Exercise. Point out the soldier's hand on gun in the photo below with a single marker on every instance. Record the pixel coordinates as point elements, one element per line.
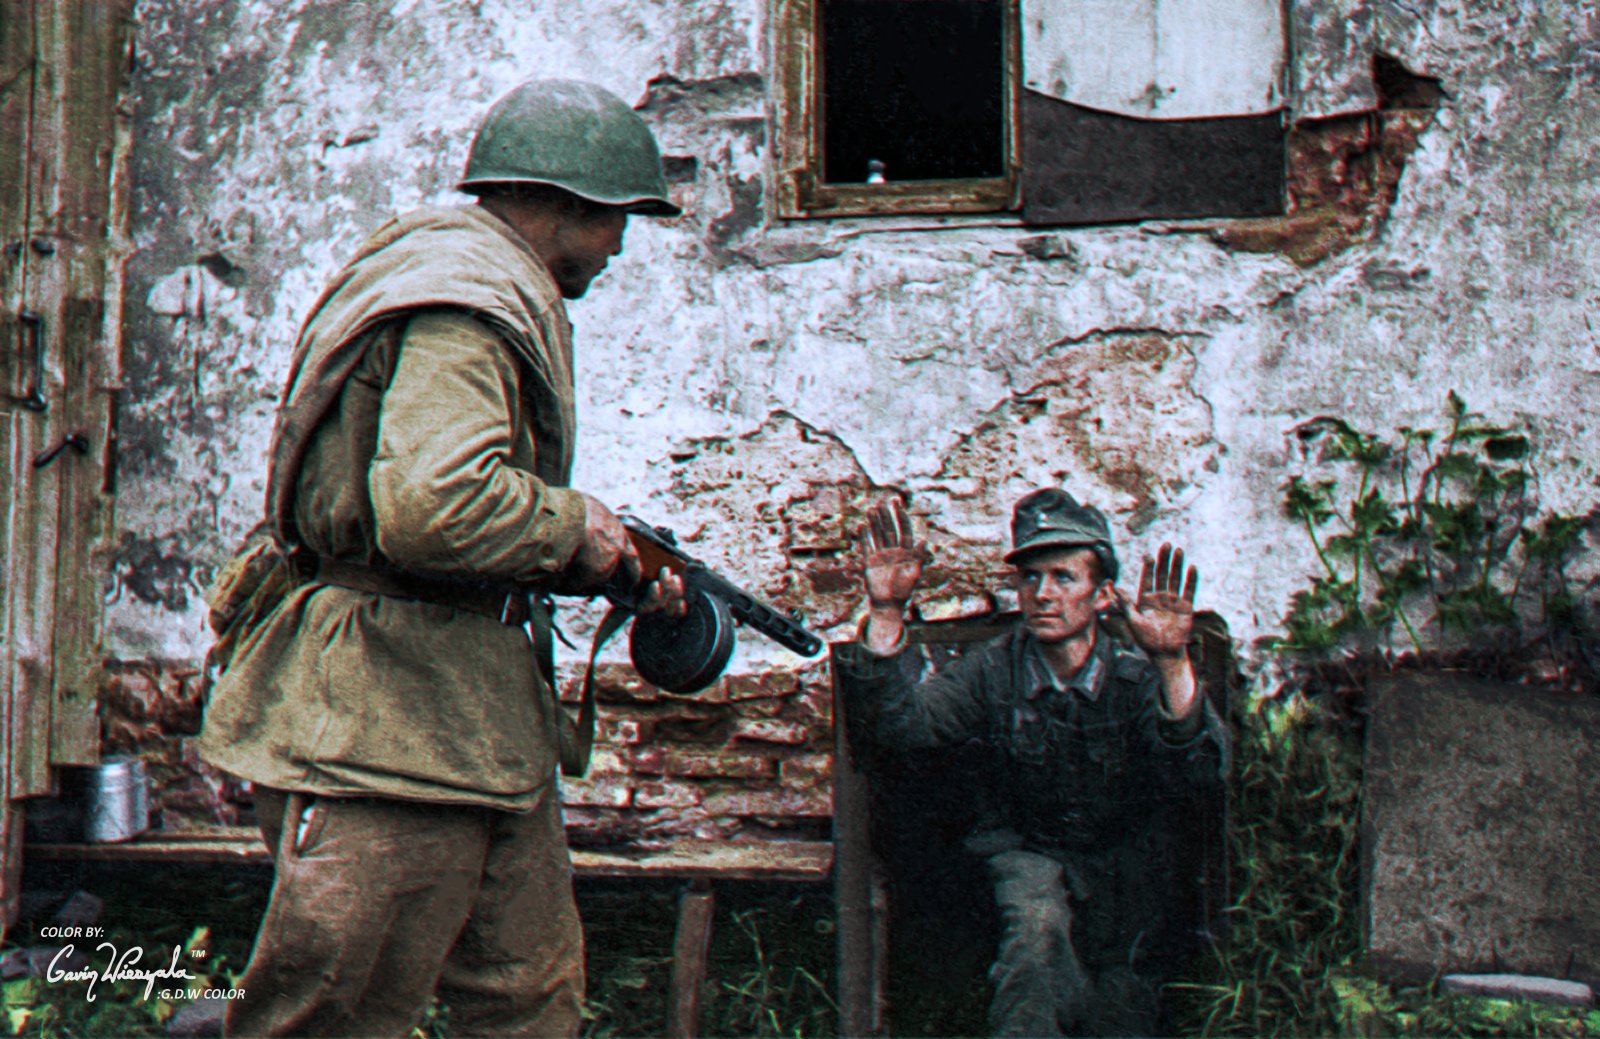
<point>665,595</point>
<point>604,551</point>
<point>1162,617</point>
<point>607,550</point>
<point>892,560</point>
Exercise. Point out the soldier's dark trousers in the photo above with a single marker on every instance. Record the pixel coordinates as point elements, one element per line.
<point>1042,985</point>
<point>376,904</point>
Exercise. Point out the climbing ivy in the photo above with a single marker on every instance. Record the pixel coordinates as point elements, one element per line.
<point>1434,532</point>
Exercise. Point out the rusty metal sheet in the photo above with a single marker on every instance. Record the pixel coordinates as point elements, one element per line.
<point>1157,59</point>
<point>1081,166</point>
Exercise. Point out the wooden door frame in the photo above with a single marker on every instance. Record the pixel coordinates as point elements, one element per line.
<point>64,71</point>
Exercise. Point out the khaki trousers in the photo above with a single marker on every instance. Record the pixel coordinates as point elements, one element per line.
<point>377,904</point>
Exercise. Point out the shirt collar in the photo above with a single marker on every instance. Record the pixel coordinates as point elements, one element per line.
<point>1087,681</point>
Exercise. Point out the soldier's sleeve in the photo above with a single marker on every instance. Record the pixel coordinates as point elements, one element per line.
<point>894,707</point>
<point>445,495</point>
<point>1196,744</point>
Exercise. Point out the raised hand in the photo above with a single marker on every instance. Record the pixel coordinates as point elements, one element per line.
<point>1162,618</point>
<point>891,557</point>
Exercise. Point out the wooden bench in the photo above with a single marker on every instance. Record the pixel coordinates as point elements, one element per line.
<point>697,863</point>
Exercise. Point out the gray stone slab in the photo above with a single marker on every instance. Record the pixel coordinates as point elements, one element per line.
<point>1520,986</point>
<point>1481,835</point>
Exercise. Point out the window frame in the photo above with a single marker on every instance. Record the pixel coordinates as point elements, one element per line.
<point>801,194</point>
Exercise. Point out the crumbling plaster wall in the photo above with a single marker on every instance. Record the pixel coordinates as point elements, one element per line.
<point>755,382</point>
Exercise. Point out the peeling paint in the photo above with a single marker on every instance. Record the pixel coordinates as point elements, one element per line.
<point>755,383</point>
<point>1344,171</point>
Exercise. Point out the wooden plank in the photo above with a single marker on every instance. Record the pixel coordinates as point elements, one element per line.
<point>33,529</point>
<point>30,611</point>
<point>690,947</point>
<point>767,860</point>
<point>800,861</point>
<point>858,894</point>
<point>89,56</point>
<point>10,865</point>
<point>16,107</point>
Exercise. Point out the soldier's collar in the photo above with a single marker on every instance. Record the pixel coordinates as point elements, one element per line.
<point>1087,681</point>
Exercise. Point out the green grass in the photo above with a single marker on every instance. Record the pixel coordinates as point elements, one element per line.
<point>770,968</point>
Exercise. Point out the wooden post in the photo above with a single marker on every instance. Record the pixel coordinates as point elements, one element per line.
<point>859,894</point>
<point>10,866</point>
<point>696,905</point>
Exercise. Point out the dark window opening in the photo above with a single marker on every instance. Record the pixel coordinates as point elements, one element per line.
<point>918,86</point>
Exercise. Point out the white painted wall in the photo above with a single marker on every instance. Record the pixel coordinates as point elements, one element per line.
<point>748,380</point>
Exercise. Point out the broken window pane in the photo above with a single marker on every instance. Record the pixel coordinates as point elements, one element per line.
<point>917,86</point>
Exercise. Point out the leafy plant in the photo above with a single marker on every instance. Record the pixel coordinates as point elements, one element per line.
<point>1427,530</point>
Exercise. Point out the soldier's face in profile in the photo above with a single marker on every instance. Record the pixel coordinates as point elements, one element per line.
<point>583,245</point>
<point>1061,591</point>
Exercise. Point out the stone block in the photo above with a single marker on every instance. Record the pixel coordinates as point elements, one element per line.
<point>665,795</point>
<point>771,730</point>
<point>770,802</point>
<point>1481,836</point>
<point>604,761</point>
<point>621,730</point>
<point>760,686</point>
<point>1520,986</point>
<point>716,765</point>
<point>652,761</point>
<point>805,770</point>
<point>816,709</point>
<point>596,793</point>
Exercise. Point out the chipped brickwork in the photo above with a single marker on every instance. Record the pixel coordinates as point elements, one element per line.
<point>1344,171</point>
<point>748,757</point>
<point>153,710</point>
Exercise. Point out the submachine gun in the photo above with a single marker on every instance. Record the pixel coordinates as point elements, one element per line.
<point>685,654</point>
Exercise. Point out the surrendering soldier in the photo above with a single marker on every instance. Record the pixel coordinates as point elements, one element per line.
<point>390,710</point>
<point>1084,743</point>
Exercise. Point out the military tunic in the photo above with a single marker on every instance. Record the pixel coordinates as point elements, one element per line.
<point>439,450</point>
<point>1069,810</point>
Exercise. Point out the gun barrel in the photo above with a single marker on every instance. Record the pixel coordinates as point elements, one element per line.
<point>759,615</point>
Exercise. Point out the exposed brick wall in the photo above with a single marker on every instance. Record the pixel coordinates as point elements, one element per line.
<point>749,758</point>
<point>153,709</point>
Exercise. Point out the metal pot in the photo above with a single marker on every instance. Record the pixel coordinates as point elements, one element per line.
<point>116,800</point>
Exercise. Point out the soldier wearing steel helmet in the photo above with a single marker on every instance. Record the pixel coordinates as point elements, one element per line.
<point>1082,742</point>
<point>390,711</point>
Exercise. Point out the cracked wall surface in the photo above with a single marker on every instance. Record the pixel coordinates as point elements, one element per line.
<point>754,383</point>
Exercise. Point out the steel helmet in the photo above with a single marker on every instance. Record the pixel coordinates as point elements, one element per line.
<point>575,136</point>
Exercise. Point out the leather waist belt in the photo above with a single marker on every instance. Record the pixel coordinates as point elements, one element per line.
<point>501,602</point>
